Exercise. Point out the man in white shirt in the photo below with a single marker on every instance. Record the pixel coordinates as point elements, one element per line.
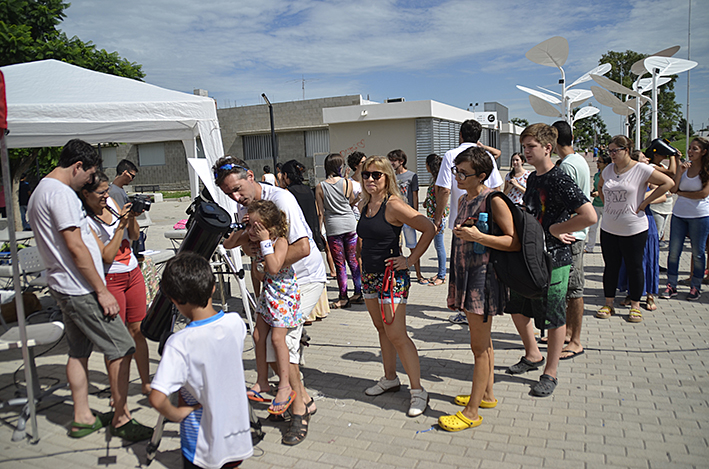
<point>469,136</point>
<point>576,167</point>
<point>237,181</point>
<point>75,279</point>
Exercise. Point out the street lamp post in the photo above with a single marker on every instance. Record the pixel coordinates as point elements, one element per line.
<point>274,148</point>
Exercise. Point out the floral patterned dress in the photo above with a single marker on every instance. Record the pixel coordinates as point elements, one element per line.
<point>279,303</point>
<point>474,286</point>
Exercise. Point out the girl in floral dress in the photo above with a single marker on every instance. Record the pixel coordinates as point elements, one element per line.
<point>279,304</point>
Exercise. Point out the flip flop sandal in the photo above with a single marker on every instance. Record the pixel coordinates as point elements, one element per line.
<point>311,403</point>
<point>285,404</point>
<point>463,399</point>
<point>357,300</point>
<point>458,422</point>
<point>650,304</point>
<point>132,431</point>
<point>84,428</point>
<point>605,312</point>
<point>424,281</point>
<point>256,396</point>
<point>571,355</point>
<point>436,281</point>
<point>635,315</point>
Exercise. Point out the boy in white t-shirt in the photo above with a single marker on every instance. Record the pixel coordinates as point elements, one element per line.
<point>203,361</point>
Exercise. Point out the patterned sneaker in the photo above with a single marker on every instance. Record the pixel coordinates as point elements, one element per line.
<point>458,318</point>
<point>693,294</point>
<point>669,292</point>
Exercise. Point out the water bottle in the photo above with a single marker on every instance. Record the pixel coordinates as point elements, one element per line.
<point>483,227</point>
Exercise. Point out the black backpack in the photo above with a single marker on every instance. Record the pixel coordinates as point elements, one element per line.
<point>527,271</point>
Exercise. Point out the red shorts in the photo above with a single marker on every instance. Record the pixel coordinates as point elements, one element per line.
<point>129,290</point>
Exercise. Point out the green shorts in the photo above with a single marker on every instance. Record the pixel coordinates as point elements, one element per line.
<point>548,312</point>
<point>86,326</point>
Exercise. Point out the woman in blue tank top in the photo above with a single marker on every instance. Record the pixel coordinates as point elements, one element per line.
<point>383,213</point>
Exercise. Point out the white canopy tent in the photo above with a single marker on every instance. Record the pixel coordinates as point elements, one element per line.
<point>50,102</point>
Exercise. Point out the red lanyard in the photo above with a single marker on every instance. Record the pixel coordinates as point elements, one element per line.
<point>388,286</point>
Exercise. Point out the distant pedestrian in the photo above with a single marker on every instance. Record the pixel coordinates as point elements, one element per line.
<point>24,198</point>
<point>268,177</point>
<point>516,179</point>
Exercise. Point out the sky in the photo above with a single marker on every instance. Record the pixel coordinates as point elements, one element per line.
<point>452,51</point>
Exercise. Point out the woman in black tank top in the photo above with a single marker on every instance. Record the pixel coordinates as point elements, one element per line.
<point>383,213</point>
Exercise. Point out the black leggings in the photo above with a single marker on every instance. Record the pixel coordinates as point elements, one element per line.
<point>623,248</point>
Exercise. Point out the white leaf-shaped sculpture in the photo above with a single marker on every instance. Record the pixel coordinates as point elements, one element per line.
<point>587,111</point>
<point>638,67</point>
<point>600,70</point>
<point>613,86</point>
<point>543,108</point>
<point>645,84</point>
<point>669,65</point>
<point>577,97</point>
<point>549,91</point>
<point>546,97</point>
<point>623,111</point>
<point>605,97</point>
<point>552,53</point>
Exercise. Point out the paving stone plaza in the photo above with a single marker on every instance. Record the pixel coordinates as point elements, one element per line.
<point>637,397</point>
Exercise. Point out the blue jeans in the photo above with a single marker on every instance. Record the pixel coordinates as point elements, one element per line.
<point>697,229</point>
<point>440,246</point>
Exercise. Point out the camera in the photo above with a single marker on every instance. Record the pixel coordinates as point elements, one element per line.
<point>141,203</point>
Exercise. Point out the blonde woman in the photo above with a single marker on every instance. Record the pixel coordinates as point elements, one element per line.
<point>383,213</point>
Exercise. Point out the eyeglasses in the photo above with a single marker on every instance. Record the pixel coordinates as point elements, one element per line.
<point>228,167</point>
<point>101,193</point>
<point>462,176</point>
<point>376,175</point>
<point>613,151</point>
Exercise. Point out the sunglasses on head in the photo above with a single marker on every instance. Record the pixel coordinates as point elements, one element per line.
<point>376,175</point>
<point>228,167</point>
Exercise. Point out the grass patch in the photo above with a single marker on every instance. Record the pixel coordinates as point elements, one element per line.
<point>175,194</point>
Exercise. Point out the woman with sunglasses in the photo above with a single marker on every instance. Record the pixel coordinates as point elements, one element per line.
<point>114,228</point>
<point>624,226</point>
<point>385,274</point>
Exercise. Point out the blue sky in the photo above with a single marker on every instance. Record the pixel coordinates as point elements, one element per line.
<point>456,51</point>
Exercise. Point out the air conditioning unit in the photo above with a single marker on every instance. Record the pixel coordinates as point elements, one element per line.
<point>395,100</point>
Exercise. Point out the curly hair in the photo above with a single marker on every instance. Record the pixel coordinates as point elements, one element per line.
<point>273,219</point>
<point>703,143</point>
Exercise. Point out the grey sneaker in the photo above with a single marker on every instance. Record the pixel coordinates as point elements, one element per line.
<point>419,402</point>
<point>384,385</point>
<point>458,318</point>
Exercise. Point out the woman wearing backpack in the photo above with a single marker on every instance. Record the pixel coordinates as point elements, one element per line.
<point>474,287</point>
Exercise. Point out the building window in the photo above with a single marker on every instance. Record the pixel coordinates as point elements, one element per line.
<point>258,147</point>
<point>151,154</point>
<point>317,141</point>
<point>108,154</point>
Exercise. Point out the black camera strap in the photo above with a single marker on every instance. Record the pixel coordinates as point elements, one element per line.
<point>112,212</point>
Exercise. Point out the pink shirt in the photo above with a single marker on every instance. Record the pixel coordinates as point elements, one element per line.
<point>623,194</point>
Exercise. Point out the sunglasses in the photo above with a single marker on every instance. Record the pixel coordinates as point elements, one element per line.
<point>376,175</point>
<point>132,175</point>
<point>228,167</point>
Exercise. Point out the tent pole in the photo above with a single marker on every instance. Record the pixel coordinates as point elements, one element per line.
<point>19,303</point>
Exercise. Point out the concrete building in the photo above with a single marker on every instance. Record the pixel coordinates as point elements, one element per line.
<point>308,130</point>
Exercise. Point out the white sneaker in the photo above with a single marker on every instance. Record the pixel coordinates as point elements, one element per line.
<point>458,318</point>
<point>384,385</point>
<point>419,402</point>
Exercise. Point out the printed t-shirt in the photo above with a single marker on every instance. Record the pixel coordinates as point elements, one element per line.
<point>311,268</point>
<point>408,184</point>
<point>53,208</point>
<point>204,362</point>
<point>552,198</point>
<point>623,194</point>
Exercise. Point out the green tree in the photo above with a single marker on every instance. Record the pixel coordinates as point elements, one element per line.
<point>520,121</point>
<point>585,129</point>
<point>28,32</point>
<point>669,111</point>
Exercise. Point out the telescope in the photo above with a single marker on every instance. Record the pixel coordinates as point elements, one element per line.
<point>662,147</point>
<point>207,225</point>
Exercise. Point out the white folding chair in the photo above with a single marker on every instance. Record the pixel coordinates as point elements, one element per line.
<point>32,265</point>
